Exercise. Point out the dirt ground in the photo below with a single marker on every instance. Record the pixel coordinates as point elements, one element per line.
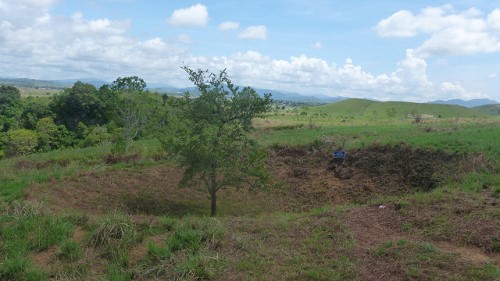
<point>304,178</point>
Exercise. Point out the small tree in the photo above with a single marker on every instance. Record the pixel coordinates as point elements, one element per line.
<point>130,110</point>
<point>210,133</point>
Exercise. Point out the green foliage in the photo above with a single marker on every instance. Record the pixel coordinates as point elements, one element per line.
<point>79,104</point>
<point>210,133</point>
<point>9,98</point>
<point>47,133</point>
<point>32,112</point>
<point>134,110</point>
<point>97,135</point>
<point>22,141</point>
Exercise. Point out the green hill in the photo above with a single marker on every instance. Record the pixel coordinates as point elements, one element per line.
<point>491,109</point>
<point>356,107</point>
<point>391,109</point>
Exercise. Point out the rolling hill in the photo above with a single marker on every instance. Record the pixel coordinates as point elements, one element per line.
<point>392,109</point>
<point>466,103</point>
<point>492,109</point>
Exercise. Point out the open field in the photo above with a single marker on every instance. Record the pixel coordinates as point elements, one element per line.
<point>411,202</point>
<point>37,92</point>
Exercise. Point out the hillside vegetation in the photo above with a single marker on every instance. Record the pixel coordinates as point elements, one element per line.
<point>493,109</point>
<point>397,110</point>
<point>82,200</point>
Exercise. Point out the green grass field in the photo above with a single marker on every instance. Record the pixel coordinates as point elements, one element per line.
<point>76,215</point>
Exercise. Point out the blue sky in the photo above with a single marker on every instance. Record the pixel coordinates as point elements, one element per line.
<point>387,50</point>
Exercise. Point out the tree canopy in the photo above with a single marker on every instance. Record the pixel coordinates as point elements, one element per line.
<point>210,133</point>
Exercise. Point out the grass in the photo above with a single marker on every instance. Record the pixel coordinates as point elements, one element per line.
<point>255,239</point>
<point>423,261</point>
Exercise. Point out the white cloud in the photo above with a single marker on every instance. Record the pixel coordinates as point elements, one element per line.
<point>451,32</point>
<point>258,32</point>
<point>494,21</point>
<point>184,38</point>
<point>50,47</point>
<point>317,45</point>
<point>229,25</point>
<point>196,15</point>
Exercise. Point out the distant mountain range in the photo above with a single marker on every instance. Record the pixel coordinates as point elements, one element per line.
<point>468,103</point>
<point>163,88</point>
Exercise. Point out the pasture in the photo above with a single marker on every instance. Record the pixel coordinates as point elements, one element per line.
<point>412,201</point>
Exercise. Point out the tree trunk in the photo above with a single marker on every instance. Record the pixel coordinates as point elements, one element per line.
<point>213,207</point>
<point>213,190</point>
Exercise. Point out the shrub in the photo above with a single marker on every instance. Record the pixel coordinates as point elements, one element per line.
<point>97,135</point>
<point>22,141</point>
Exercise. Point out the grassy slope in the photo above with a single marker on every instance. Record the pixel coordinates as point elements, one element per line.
<point>429,237</point>
<point>379,110</point>
<point>493,109</point>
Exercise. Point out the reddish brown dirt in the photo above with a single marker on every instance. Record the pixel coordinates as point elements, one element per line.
<point>148,190</point>
<point>371,227</point>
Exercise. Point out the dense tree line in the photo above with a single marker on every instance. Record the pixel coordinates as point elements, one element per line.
<point>79,116</point>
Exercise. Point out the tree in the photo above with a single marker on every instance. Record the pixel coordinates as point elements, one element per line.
<point>79,104</point>
<point>10,105</point>
<point>9,97</point>
<point>130,110</point>
<point>210,134</point>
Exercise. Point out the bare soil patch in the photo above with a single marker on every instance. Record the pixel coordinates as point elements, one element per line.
<point>313,178</point>
<point>139,191</point>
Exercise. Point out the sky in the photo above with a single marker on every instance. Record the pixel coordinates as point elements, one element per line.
<point>386,50</point>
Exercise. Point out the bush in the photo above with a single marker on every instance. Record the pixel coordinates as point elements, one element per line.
<point>22,141</point>
<point>97,135</point>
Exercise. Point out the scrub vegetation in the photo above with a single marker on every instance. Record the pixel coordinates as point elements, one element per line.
<point>101,184</point>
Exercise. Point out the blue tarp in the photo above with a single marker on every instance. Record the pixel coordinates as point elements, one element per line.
<point>339,154</point>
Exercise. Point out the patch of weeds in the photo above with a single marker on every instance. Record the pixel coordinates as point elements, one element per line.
<point>189,252</point>
<point>19,268</point>
<point>158,253</point>
<point>185,237</point>
<point>69,250</point>
<point>117,273</point>
<point>114,234</point>
<point>485,272</point>
<point>196,267</point>
<point>50,231</point>
<point>70,271</point>
<point>419,261</point>
<point>24,209</point>
<point>79,219</point>
<point>112,229</point>
<point>406,227</point>
<point>21,234</point>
